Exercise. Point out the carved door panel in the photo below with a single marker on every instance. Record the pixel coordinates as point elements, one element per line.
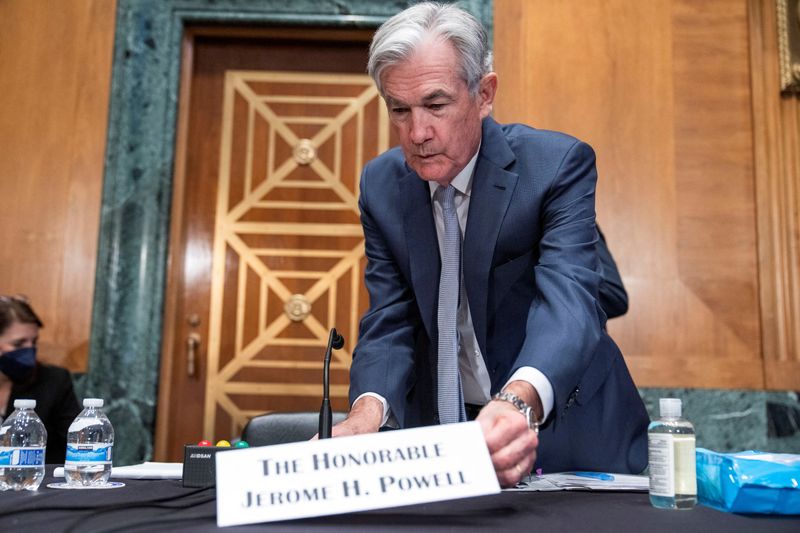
<point>267,250</point>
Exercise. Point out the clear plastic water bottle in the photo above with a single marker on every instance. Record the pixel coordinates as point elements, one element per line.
<point>23,440</point>
<point>671,454</point>
<point>90,441</point>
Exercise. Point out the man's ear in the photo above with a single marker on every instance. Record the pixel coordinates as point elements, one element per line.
<point>486,91</point>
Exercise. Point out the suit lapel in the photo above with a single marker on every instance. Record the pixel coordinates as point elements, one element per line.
<point>423,246</point>
<point>492,189</point>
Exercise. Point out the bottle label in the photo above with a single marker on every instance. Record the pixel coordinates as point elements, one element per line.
<point>99,453</point>
<point>672,464</point>
<point>661,456</point>
<point>21,457</point>
<point>685,464</point>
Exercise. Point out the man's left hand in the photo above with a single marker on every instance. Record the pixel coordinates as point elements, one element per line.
<point>512,444</point>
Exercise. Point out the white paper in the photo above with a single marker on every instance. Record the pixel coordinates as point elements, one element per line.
<point>349,474</point>
<point>145,470</point>
<point>570,481</point>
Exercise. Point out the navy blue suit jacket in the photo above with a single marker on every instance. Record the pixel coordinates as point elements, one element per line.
<point>531,274</point>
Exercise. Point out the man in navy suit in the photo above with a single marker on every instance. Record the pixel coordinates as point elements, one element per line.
<point>531,339</point>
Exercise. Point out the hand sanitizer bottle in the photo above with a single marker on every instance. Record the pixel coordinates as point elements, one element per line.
<point>671,454</point>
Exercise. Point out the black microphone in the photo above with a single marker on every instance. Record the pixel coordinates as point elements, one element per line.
<point>335,342</point>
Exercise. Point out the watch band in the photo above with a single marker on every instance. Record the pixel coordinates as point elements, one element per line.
<point>526,410</point>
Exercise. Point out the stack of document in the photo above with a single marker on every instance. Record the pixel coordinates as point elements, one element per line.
<point>584,481</point>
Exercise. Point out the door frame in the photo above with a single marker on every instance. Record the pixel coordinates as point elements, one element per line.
<point>133,248</point>
<point>171,362</point>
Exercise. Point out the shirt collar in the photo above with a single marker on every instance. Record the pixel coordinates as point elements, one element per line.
<point>463,180</point>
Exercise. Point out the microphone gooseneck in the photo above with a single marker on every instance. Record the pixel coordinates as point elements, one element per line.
<point>335,342</point>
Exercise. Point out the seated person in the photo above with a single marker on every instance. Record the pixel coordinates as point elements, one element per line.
<point>22,376</point>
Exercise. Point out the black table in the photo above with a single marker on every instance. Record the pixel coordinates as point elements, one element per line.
<point>164,505</point>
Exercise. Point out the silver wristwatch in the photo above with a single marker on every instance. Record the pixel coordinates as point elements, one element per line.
<point>526,410</point>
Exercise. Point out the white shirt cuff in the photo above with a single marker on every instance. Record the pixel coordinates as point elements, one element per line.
<point>539,382</point>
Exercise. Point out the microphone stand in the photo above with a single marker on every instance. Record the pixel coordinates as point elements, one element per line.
<point>335,342</point>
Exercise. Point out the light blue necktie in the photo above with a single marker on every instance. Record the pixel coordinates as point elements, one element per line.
<point>451,399</point>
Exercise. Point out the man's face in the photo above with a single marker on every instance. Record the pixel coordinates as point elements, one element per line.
<point>436,119</point>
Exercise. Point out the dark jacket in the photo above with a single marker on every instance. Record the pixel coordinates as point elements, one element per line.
<point>56,405</point>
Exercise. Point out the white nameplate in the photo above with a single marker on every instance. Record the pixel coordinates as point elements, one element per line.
<point>347,474</point>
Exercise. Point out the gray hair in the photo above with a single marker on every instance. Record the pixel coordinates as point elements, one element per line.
<point>398,37</point>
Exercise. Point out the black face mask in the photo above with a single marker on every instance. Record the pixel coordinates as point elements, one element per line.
<point>18,365</point>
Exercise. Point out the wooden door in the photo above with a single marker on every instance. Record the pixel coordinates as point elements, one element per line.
<point>267,251</point>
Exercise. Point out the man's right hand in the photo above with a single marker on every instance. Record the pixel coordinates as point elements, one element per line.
<point>364,417</point>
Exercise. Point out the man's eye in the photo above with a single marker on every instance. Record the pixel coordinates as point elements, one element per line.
<point>436,107</point>
<point>399,110</point>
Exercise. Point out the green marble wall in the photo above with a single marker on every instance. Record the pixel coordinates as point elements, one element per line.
<point>735,420</point>
<point>127,316</point>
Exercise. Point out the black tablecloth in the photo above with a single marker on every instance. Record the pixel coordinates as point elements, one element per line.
<point>144,505</point>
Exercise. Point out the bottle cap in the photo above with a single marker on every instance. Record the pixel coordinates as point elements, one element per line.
<point>670,407</point>
<point>93,402</point>
<point>24,404</point>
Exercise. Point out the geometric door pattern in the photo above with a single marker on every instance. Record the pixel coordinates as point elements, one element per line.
<point>288,254</point>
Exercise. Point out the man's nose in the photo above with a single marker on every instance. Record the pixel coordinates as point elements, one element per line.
<point>420,130</point>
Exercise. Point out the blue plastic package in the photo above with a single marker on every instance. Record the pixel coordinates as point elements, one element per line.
<point>749,481</point>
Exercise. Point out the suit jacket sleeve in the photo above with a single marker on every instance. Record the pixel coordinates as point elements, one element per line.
<point>564,322</point>
<point>383,361</point>
<point>613,297</point>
